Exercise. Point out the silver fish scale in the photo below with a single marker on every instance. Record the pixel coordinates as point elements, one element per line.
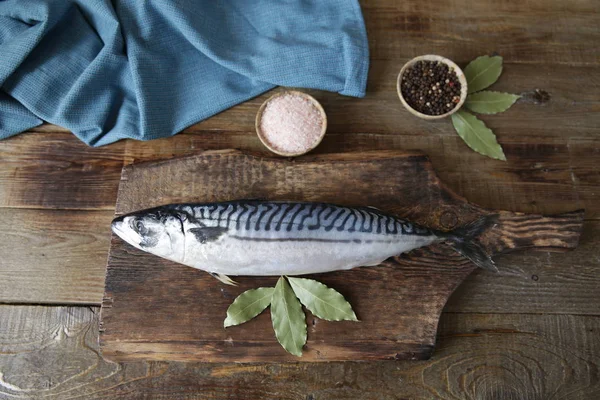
<point>294,217</point>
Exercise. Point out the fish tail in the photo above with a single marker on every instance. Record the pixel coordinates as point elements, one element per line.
<point>465,241</point>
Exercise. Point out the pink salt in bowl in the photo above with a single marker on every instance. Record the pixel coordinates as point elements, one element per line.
<point>291,123</point>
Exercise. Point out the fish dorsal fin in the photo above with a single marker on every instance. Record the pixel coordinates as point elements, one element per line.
<point>207,233</point>
<point>224,278</point>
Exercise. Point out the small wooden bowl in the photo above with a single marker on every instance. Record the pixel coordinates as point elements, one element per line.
<point>312,100</point>
<point>452,66</point>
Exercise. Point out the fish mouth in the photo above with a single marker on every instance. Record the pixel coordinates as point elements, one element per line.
<point>120,229</point>
<point>116,225</point>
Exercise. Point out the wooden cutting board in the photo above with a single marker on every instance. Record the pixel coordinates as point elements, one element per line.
<point>158,310</point>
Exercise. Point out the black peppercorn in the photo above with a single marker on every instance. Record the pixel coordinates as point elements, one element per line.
<point>430,87</point>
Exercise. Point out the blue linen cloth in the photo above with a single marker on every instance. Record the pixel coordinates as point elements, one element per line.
<point>145,69</point>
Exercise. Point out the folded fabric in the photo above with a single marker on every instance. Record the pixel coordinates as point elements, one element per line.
<point>145,69</point>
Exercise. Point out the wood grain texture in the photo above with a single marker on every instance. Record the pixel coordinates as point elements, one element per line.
<point>53,256</point>
<point>52,353</point>
<point>514,29</point>
<point>532,282</point>
<point>140,284</point>
<point>75,244</point>
<point>551,144</point>
<point>550,138</point>
<point>543,175</point>
<point>47,171</point>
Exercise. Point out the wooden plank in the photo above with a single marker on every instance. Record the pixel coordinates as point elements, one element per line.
<point>517,30</point>
<point>52,352</point>
<point>550,178</point>
<point>569,103</point>
<point>561,283</point>
<point>552,103</point>
<point>58,171</point>
<point>542,175</point>
<point>74,262</point>
<point>555,99</point>
<point>421,281</point>
<point>73,266</point>
<point>53,256</point>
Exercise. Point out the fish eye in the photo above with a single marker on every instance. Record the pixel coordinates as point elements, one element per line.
<point>139,227</point>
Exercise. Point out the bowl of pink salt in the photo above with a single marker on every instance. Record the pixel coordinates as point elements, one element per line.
<point>291,123</point>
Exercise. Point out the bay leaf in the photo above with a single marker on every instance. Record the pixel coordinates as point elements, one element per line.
<point>482,72</point>
<point>490,102</point>
<point>288,319</point>
<point>322,301</point>
<point>248,305</point>
<point>476,135</point>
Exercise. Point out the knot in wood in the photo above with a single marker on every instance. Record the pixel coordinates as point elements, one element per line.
<point>448,220</point>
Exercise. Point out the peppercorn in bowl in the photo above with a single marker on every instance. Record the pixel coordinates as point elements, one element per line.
<point>431,87</point>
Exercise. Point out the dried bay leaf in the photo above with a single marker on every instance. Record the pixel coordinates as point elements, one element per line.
<point>248,305</point>
<point>322,301</point>
<point>490,102</point>
<point>476,135</point>
<point>482,72</point>
<point>288,318</point>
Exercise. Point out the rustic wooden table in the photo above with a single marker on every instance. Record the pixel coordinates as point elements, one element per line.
<point>529,332</point>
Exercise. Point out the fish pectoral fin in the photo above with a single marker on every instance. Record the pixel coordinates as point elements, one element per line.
<point>224,278</point>
<point>373,264</point>
<point>208,233</point>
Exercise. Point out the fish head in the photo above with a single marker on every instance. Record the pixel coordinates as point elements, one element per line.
<point>158,231</point>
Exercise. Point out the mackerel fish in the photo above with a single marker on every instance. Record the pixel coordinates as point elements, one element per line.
<point>252,237</point>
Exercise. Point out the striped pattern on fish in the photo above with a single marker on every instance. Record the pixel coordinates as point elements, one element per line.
<point>296,217</point>
<point>251,237</point>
